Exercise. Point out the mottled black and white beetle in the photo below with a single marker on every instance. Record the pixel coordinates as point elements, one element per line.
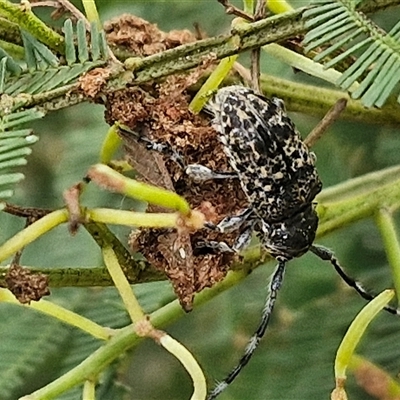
<point>277,174</point>
<point>274,167</point>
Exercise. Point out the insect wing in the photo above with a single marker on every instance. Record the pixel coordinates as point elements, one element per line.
<point>275,167</point>
<point>294,158</point>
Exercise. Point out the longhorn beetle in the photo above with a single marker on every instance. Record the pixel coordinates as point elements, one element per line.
<point>277,173</point>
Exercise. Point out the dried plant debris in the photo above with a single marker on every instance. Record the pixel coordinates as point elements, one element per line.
<point>91,83</point>
<point>160,112</point>
<point>142,38</point>
<point>135,37</point>
<point>25,285</point>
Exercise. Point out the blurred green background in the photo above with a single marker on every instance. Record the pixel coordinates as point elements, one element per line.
<point>295,360</point>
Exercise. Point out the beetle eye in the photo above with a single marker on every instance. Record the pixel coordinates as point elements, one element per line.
<point>313,157</point>
<point>279,103</point>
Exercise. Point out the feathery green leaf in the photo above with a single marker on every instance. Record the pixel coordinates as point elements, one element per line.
<point>14,147</point>
<point>44,70</point>
<point>336,24</point>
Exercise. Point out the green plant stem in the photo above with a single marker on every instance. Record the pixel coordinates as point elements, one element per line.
<point>298,97</point>
<point>125,339</point>
<point>121,283</point>
<point>338,206</point>
<point>356,330</point>
<point>362,184</point>
<point>243,38</point>
<point>112,180</point>
<point>248,6</point>
<point>103,236</point>
<point>139,319</point>
<point>27,20</point>
<point>212,83</point>
<point>386,226</point>
<point>134,270</point>
<point>219,73</point>
<point>110,145</point>
<point>140,271</point>
<point>62,314</point>
<point>12,49</point>
<point>187,56</point>
<point>91,12</point>
<point>188,361</point>
<point>279,6</point>
<point>359,206</point>
<point>9,32</point>
<point>32,232</point>
<point>312,100</point>
<point>130,218</point>
<point>303,63</point>
<point>89,390</point>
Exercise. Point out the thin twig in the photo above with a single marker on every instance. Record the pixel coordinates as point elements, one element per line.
<point>259,13</point>
<point>71,198</point>
<point>243,72</point>
<point>255,70</point>
<point>330,117</point>
<point>31,214</point>
<point>74,12</point>
<point>231,9</point>
<point>53,4</point>
<point>26,212</point>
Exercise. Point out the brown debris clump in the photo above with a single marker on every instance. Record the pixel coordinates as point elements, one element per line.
<point>141,37</point>
<point>92,82</point>
<point>25,285</point>
<point>168,120</point>
<point>159,111</point>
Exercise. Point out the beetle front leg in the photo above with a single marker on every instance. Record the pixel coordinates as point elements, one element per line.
<point>232,222</point>
<point>161,148</point>
<point>241,241</point>
<point>201,173</point>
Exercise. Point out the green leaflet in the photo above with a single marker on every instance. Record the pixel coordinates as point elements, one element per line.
<point>50,349</point>
<point>336,27</point>
<point>42,73</point>
<point>29,342</point>
<point>14,147</point>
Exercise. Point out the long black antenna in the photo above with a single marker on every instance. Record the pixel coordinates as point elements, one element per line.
<point>274,286</point>
<point>325,254</point>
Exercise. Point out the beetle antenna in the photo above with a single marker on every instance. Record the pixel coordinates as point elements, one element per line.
<point>274,286</point>
<point>327,255</point>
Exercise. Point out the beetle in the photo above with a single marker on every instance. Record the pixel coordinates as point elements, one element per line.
<point>277,173</point>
